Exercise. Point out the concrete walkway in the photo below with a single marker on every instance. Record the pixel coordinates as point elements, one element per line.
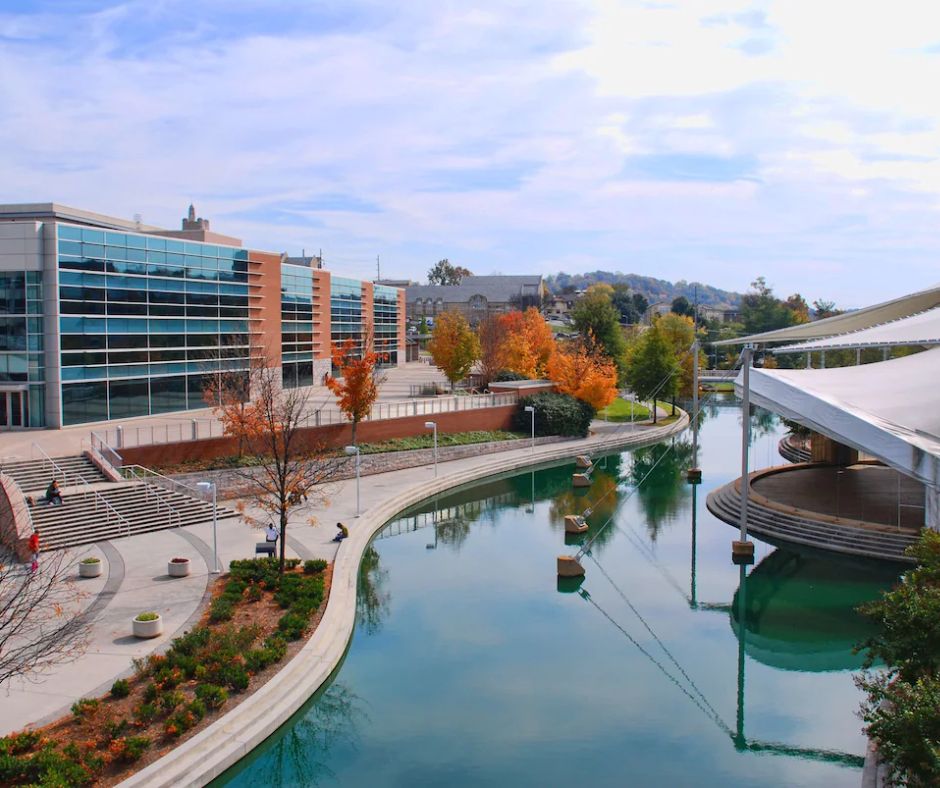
<point>136,579</point>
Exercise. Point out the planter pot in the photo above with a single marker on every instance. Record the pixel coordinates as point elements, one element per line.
<point>178,568</point>
<point>148,629</point>
<point>90,570</point>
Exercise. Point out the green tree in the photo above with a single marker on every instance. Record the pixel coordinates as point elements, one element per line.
<point>652,368</point>
<point>598,322</point>
<point>453,346</point>
<point>444,273</point>
<point>902,710</point>
<point>681,306</point>
<point>762,311</point>
<point>423,327</point>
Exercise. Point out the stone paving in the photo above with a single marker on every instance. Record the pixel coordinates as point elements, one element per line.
<point>136,580</point>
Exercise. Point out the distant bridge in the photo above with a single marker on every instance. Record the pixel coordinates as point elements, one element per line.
<point>717,375</point>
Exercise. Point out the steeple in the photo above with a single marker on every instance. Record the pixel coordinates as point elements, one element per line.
<point>192,213</point>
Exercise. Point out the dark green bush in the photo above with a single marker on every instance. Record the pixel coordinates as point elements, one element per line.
<point>120,689</point>
<point>150,693</point>
<point>170,700</point>
<point>134,747</point>
<point>292,625</point>
<point>555,414</point>
<point>17,743</point>
<point>505,375</point>
<point>314,567</point>
<point>235,676</point>
<point>212,695</point>
<point>115,728</point>
<point>254,593</point>
<point>85,707</point>
<point>220,610</point>
<point>145,712</point>
<point>234,589</point>
<point>292,563</point>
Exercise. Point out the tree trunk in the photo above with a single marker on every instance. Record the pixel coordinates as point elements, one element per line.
<point>655,411</point>
<point>354,423</point>
<point>283,538</point>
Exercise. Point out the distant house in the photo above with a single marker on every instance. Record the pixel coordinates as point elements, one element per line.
<point>721,314</point>
<point>559,305</point>
<point>475,296</point>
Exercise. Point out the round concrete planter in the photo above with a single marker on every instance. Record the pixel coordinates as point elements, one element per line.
<point>90,568</point>
<point>178,568</point>
<point>148,629</point>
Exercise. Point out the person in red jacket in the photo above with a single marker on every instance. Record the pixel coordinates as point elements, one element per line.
<point>34,549</point>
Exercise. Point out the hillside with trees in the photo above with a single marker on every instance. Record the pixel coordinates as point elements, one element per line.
<point>652,289</point>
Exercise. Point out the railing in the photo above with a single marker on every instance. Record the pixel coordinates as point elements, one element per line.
<point>199,429</point>
<point>152,493</point>
<point>105,452</point>
<point>101,503</point>
<point>140,473</point>
<point>57,470</point>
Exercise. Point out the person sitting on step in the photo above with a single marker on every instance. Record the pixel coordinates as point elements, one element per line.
<point>53,494</point>
<point>342,533</point>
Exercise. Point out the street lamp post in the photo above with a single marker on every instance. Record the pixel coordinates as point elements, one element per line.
<point>215,523</point>
<point>531,409</point>
<point>432,425</point>
<point>351,450</point>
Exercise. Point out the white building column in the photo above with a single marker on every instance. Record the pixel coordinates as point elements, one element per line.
<point>932,507</point>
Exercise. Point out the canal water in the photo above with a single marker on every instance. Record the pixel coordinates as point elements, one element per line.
<point>472,666</point>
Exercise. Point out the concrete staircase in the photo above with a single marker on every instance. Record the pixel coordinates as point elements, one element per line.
<point>777,526</point>
<point>34,476</point>
<point>98,509</point>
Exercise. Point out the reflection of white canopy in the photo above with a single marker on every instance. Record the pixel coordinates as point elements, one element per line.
<point>920,329</point>
<point>887,409</point>
<point>849,321</point>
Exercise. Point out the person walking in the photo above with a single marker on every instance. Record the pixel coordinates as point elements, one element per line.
<point>34,549</point>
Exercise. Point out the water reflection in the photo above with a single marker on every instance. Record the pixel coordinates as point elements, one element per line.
<point>658,474</point>
<point>372,597</point>
<point>801,609</point>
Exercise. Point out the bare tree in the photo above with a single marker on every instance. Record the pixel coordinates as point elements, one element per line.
<point>289,466</point>
<point>41,622</point>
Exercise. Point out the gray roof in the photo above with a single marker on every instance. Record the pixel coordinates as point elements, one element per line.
<point>493,288</point>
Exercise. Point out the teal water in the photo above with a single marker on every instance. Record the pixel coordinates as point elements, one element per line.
<point>471,666</point>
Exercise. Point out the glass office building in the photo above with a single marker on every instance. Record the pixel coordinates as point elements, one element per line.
<point>104,319</point>
<point>296,325</point>
<point>143,320</point>
<point>385,323</point>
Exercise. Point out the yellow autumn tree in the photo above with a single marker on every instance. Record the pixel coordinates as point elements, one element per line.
<point>679,333</point>
<point>453,346</point>
<point>587,376</point>
<point>529,343</point>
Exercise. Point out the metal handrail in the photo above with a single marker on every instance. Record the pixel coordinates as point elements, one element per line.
<point>101,447</point>
<point>87,490</point>
<point>151,490</point>
<point>140,469</point>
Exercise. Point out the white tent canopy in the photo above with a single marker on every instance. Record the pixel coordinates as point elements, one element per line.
<point>887,409</point>
<point>920,329</point>
<point>849,321</point>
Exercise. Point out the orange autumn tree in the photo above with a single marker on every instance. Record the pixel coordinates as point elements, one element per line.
<point>357,386</point>
<point>454,346</point>
<point>529,343</point>
<point>587,376</point>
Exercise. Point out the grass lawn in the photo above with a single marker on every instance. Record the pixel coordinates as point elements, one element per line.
<point>619,410</point>
<point>443,439</point>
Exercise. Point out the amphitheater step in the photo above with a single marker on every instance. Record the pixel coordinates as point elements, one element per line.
<point>34,476</point>
<point>724,503</point>
<point>121,509</point>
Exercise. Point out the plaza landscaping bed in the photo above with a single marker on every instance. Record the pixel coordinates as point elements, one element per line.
<point>256,621</point>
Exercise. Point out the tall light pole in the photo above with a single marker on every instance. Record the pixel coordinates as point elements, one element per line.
<point>432,425</point>
<point>350,450</point>
<point>215,523</point>
<point>531,409</point>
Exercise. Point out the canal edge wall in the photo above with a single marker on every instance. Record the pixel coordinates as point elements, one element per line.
<point>235,734</point>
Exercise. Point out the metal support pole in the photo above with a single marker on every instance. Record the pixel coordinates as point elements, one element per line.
<point>215,527</point>
<point>695,374</point>
<point>357,481</point>
<point>746,356</point>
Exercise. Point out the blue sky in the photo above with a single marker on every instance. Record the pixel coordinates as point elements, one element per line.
<point>712,141</point>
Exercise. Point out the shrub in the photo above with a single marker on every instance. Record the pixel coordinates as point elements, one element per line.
<point>314,567</point>
<point>91,560</point>
<point>254,593</point>
<point>17,743</point>
<point>170,700</point>
<point>221,610</point>
<point>145,712</point>
<point>85,707</point>
<point>505,375</point>
<point>134,747</point>
<point>148,616</point>
<point>555,414</point>
<point>234,589</point>
<point>292,563</point>
<point>114,728</point>
<point>235,676</point>
<point>150,693</point>
<point>292,625</point>
<point>120,689</point>
<point>212,695</point>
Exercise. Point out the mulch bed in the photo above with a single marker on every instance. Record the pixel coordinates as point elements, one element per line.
<point>99,747</point>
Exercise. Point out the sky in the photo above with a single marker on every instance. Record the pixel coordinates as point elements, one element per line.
<point>714,141</point>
